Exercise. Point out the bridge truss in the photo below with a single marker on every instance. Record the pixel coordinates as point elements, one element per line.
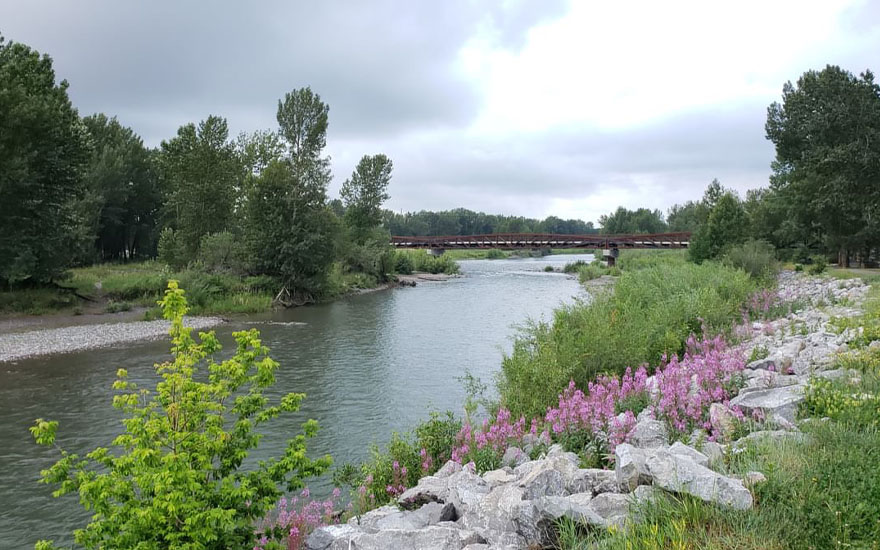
<point>511,241</point>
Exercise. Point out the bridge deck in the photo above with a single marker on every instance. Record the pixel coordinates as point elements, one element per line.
<point>545,240</point>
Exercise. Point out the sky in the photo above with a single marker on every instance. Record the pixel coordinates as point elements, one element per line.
<point>533,108</point>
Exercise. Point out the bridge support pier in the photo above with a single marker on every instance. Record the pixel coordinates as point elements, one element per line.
<point>610,256</point>
<point>436,251</point>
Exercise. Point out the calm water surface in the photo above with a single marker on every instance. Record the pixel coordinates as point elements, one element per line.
<point>369,365</point>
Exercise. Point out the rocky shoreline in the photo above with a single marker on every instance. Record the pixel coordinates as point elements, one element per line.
<point>23,345</point>
<point>517,505</point>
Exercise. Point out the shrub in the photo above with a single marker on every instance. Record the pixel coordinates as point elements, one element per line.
<point>174,479</point>
<point>172,249</point>
<point>574,267</point>
<point>649,313</point>
<point>590,272</point>
<point>405,459</point>
<point>755,257</point>
<point>403,263</point>
<point>818,265</point>
<point>549,269</point>
<point>223,252</point>
<point>495,254</point>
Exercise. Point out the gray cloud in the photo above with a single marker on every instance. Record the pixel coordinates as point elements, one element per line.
<point>388,69</point>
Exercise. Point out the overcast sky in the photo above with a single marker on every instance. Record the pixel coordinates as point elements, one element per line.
<point>532,108</point>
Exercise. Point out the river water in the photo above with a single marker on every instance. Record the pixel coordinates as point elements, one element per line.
<point>369,364</point>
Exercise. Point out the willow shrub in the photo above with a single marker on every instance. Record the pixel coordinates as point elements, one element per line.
<point>173,478</point>
<point>650,312</point>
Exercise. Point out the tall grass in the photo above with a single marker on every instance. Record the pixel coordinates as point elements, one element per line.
<point>649,313</point>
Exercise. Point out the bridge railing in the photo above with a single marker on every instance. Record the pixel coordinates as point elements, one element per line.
<point>545,240</point>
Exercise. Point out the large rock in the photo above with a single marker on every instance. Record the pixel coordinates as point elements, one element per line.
<point>465,489</point>
<point>462,488</point>
<point>323,537</point>
<point>608,509</point>
<point>649,434</point>
<point>544,480</point>
<point>390,517</point>
<point>679,448</point>
<point>436,537</point>
<point>493,518</point>
<point>681,474</point>
<point>592,480</point>
<point>782,402</point>
<point>499,477</point>
<point>513,457</point>
<point>723,421</point>
<point>629,467</point>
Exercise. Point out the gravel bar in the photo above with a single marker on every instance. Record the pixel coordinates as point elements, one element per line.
<point>22,345</point>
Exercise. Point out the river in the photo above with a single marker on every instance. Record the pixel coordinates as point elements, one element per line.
<point>369,364</point>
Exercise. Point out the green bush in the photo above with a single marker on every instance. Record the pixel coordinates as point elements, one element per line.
<point>495,254</point>
<point>418,453</point>
<point>403,263</point>
<point>174,478</point>
<point>650,312</point>
<point>590,272</point>
<point>755,257</point>
<point>172,249</point>
<point>223,253</point>
<point>818,265</point>
<point>573,267</point>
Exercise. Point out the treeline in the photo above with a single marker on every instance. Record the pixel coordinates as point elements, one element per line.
<point>824,193</point>
<point>462,221</point>
<point>76,191</point>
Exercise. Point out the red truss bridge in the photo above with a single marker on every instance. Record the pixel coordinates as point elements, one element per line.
<point>511,241</point>
<point>610,244</point>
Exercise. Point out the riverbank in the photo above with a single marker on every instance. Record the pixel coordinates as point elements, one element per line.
<point>15,346</point>
<point>756,469</point>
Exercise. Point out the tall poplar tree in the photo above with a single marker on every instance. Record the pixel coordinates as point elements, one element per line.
<point>43,151</point>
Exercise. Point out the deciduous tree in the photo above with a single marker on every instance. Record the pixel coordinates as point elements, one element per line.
<point>43,152</point>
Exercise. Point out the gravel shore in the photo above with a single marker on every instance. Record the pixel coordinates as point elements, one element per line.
<point>21,345</point>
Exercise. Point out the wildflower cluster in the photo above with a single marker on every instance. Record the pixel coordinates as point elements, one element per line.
<point>294,519</point>
<point>708,372</point>
<point>486,446</point>
<point>602,418</point>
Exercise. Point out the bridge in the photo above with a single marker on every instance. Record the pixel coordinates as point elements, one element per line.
<point>610,244</point>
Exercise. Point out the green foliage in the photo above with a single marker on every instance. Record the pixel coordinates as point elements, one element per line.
<point>290,231</point>
<point>363,194</point>
<point>427,263</point>
<point>371,479</point>
<point>818,265</point>
<point>631,260</point>
<point>623,221</point>
<point>403,263</point>
<point>172,250</point>
<point>757,258</point>
<point>223,253</point>
<point>650,312</point>
<point>174,479</point>
<point>462,221</point>
<point>574,267</point>
<point>824,172</point>
<point>123,198</point>
<point>200,173</point>
<point>43,153</point>
<point>758,353</point>
<point>590,272</point>
<point>727,226</point>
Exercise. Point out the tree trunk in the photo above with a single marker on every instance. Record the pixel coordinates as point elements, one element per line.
<point>843,258</point>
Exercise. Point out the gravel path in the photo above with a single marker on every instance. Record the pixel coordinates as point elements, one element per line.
<point>21,345</point>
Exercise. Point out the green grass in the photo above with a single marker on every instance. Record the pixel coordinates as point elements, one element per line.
<point>822,492</point>
<point>119,287</point>
<point>650,311</point>
<point>422,261</point>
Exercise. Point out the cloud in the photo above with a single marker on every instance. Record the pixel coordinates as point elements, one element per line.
<point>535,108</point>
